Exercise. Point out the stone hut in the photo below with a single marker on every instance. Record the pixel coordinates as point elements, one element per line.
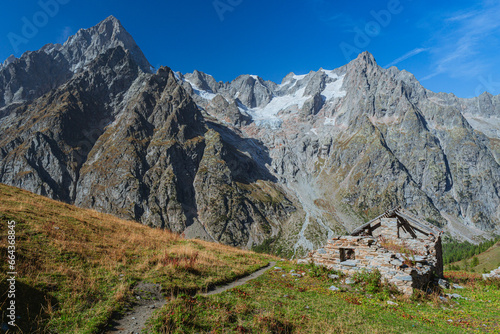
<point>405,249</point>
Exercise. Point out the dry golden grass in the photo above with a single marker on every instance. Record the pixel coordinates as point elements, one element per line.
<point>88,261</point>
<point>278,303</point>
<point>398,246</point>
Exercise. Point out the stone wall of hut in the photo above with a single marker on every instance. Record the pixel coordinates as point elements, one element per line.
<point>405,257</point>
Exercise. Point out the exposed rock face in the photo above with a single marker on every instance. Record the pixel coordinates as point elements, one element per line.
<point>228,112</point>
<point>494,274</point>
<point>359,139</point>
<point>313,105</point>
<point>46,142</point>
<point>88,123</point>
<point>87,44</point>
<point>203,81</point>
<point>135,144</point>
<point>250,90</point>
<point>36,73</point>
<point>7,61</point>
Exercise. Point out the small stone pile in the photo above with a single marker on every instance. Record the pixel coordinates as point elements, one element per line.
<point>495,273</point>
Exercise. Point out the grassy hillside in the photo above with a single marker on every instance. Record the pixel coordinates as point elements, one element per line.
<point>279,302</point>
<point>487,261</point>
<point>76,267</point>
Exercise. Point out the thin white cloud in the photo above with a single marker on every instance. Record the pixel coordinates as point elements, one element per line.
<point>461,49</point>
<point>66,32</point>
<point>462,16</point>
<point>410,54</point>
<point>430,76</point>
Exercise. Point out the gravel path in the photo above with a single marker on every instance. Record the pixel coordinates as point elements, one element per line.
<point>149,299</point>
<point>238,282</point>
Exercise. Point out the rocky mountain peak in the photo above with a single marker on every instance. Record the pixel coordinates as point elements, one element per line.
<point>364,65</point>
<point>36,73</point>
<point>86,44</point>
<point>288,78</point>
<point>251,90</point>
<point>7,61</point>
<point>248,160</point>
<point>363,72</point>
<point>366,59</point>
<point>203,81</point>
<point>111,19</point>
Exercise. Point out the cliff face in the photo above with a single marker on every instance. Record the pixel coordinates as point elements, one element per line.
<point>352,142</point>
<point>36,73</point>
<point>134,144</point>
<point>246,161</point>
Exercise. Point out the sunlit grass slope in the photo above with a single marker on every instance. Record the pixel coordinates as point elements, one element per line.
<point>76,267</point>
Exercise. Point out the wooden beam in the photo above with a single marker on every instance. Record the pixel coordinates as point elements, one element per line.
<point>415,221</point>
<point>386,214</point>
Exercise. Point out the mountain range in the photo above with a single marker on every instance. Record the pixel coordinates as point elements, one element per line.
<point>247,162</point>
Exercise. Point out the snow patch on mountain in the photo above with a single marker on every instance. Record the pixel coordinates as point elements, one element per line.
<point>334,89</point>
<point>290,96</point>
<point>268,115</point>
<point>200,92</point>
<point>331,74</point>
<point>299,77</point>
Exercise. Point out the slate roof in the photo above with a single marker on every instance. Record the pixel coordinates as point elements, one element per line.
<point>405,216</point>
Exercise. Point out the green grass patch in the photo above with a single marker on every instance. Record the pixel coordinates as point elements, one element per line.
<point>278,302</point>
<point>476,258</point>
<point>454,251</point>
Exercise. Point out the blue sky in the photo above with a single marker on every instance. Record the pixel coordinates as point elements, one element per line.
<point>450,46</point>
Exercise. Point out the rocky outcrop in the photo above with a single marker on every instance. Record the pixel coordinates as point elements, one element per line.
<point>135,144</point>
<point>248,160</point>
<point>235,201</point>
<point>31,76</point>
<point>250,90</point>
<point>228,112</point>
<point>203,81</point>
<point>313,105</point>
<point>7,61</point>
<point>36,73</point>
<point>493,275</point>
<point>359,139</point>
